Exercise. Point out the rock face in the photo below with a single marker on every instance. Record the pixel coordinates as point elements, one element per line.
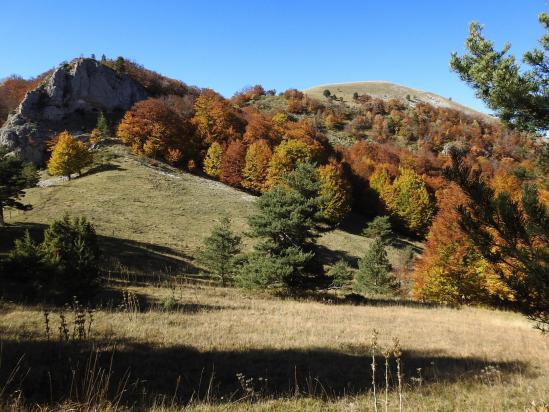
<point>70,99</point>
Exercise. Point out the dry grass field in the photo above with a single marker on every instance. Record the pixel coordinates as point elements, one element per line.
<point>162,337</point>
<point>290,354</point>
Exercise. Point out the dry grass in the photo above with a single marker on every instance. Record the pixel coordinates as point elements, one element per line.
<point>320,348</point>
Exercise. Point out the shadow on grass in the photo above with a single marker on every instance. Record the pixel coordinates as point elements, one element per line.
<point>122,260</point>
<point>114,300</point>
<point>355,299</point>
<point>103,167</point>
<point>184,373</point>
<point>143,260</point>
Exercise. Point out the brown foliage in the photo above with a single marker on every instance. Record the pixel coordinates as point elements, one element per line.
<point>153,127</point>
<point>233,163</point>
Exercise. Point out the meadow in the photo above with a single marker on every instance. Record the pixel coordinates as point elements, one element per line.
<point>162,335</point>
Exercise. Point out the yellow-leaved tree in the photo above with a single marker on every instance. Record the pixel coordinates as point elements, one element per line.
<point>335,192</point>
<point>285,157</point>
<point>256,166</point>
<point>212,160</point>
<point>69,155</point>
<point>409,201</point>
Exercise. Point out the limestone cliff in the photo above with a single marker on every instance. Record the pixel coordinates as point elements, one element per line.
<point>71,98</point>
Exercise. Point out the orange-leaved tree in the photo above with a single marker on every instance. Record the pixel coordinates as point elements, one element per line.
<point>450,270</point>
<point>214,119</point>
<point>153,126</point>
<point>232,163</point>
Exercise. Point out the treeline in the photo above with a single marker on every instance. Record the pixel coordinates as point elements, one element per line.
<point>13,90</point>
<point>394,168</point>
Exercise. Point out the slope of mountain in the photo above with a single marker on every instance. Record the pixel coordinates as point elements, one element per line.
<point>387,90</point>
<point>151,216</point>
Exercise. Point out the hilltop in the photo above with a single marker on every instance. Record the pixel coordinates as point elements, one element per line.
<point>387,90</point>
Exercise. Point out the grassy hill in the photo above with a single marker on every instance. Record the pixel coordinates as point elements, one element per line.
<point>151,216</point>
<point>179,343</point>
<point>387,90</point>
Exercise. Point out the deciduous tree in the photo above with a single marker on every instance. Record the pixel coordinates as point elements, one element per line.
<point>212,161</point>
<point>254,174</point>
<point>69,156</point>
<point>232,163</point>
<point>335,192</point>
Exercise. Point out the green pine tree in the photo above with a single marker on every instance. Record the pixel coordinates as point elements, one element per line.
<point>288,220</point>
<point>103,126</point>
<point>220,252</point>
<point>374,272</point>
<point>290,213</point>
<point>341,274</point>
<point>16,175</point>
<point>380,227</point>
<point>519,97</point>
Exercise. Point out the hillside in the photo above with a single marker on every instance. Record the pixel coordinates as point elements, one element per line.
<point>152,216</point>
<point>387,90</point>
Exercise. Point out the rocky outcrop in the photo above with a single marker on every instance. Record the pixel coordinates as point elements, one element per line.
<point>70,99</point>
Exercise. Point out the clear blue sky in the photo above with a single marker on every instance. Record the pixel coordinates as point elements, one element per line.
<point>279,44</point>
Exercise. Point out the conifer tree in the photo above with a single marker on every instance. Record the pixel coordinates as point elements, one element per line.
<point>102,126</point>
<point>220,252</point>
<point>287,223</point>
<point>519,97</point>
<point>374,272</point>
<point>341,274</point>
<point>16,175</point>
<point>380,227</point>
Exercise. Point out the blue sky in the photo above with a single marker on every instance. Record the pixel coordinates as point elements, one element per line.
<point>279,44</point>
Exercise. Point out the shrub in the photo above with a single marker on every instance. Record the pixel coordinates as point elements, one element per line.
<point>341,274</point>
<point>64,264</point>
<point>221,249</point>
<point>380,227</point>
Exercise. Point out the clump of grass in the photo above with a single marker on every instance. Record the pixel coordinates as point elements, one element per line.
<point>81,324</point>
<point>130,304</point>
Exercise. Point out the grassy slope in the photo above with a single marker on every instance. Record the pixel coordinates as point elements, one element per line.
<point>157,215</point>
<point>386,90</point>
